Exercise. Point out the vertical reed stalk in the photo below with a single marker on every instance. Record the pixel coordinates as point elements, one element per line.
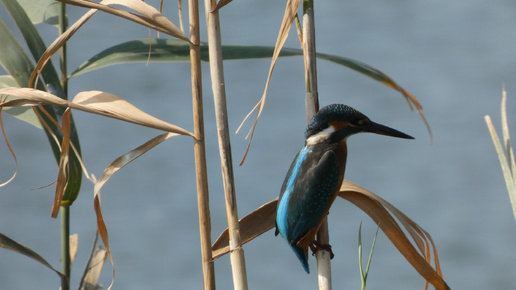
<point>200,149</point>
<point>312,106</point>
<point>65,209</point>
<point>219,95</point>
<point>65,246</point>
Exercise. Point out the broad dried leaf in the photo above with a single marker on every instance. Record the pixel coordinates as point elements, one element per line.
<point>263,219</point>
<point>378,209</point>
<point>288,18</point>
<point>9,244</point>
<point>251,226</point>
<point>149,16</point>
<point>95,102</point>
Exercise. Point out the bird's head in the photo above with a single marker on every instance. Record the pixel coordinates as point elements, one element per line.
<point>337,122</point>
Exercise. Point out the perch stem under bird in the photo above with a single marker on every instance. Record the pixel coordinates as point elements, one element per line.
<point>316,174</point>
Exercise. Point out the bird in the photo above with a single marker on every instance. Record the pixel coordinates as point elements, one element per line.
<point>316,174</point>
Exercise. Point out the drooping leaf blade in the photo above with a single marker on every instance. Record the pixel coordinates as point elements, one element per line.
<point>169,50</point>
<point>9,244</point>
<point>383,213</point>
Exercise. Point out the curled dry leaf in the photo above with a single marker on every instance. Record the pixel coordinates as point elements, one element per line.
<point>263,219</point>
<point>251,226</point>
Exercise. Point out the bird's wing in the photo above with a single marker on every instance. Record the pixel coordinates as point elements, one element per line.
<point>311,194</point>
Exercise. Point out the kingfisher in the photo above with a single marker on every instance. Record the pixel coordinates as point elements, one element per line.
<point>316,174</point>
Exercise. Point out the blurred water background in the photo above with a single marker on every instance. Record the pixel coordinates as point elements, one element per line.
<point>453,56</point>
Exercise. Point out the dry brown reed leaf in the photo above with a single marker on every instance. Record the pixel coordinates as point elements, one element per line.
<point>251,226</point>
<point>148,16</point>
<point>288,18</point>
<point>378,209</point>
<point>62,176</point>
<point>128,157</point>
<point>101,227</point>
<point>95,102</point>
<point>263,219</point>
<point>116,165</point>
<point>56,45</point>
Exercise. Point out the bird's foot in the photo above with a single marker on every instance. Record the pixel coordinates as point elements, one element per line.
<point>316,246</point>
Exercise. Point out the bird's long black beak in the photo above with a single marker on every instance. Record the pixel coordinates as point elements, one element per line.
<point>384,130</point>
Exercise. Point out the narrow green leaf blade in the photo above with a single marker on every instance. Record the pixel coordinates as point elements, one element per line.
<point>13,58</point>
<point>18,64</point>
<point>35,43</point>
<point>169,50</point>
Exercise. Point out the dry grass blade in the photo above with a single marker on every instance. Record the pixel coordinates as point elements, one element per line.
<point>101,227</point>
<point>62,176</point>
<point>377,209</point>
<point>149,16</point>
<point>288,18</point>
<point>95,102</point>
<point>251,226</point>
<point>506,158</point>
<point>116,165</point>
<point>128,157</point>
<point>57,44</point>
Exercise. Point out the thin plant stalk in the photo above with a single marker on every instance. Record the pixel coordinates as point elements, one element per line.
<point>217,79</point>
<point>65,209</point>
<point>312,106</point>
<point>65,246</point>
<point>208,268</point>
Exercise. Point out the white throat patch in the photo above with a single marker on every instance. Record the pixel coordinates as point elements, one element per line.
<point>321,136</point>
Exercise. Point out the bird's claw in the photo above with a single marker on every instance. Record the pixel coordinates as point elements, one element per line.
<point>316,246</point>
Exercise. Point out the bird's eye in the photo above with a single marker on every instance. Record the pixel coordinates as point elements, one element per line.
<point>363,122</point>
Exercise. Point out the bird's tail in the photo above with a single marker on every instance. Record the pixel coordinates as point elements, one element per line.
<point>302,255</point>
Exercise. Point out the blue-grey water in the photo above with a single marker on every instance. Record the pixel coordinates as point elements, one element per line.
<point>453,56</point>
